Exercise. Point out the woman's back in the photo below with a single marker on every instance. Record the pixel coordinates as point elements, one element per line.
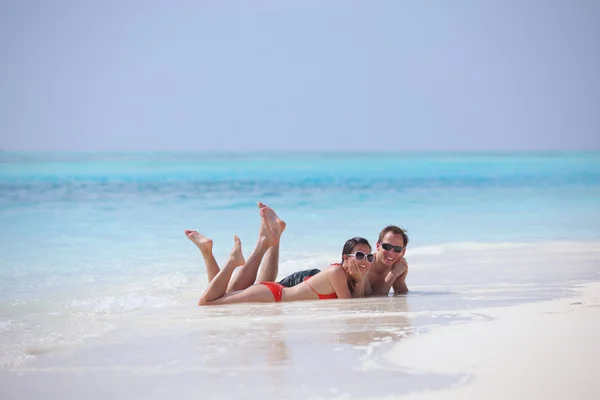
<point>319,286</point>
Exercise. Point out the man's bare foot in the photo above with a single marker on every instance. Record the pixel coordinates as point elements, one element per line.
<point>267,237</point>
<point>236,258</point>
<point>274,222</point>
<point>264,223</point>
<point>203,243</point>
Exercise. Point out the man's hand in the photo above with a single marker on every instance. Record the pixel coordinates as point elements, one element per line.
<point>400,268</point>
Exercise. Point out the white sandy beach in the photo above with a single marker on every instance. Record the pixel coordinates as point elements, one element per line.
<point>543,350</point>
<point>510,321</point>
<point>546,350</point>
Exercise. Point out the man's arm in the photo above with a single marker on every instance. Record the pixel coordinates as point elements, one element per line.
<point>400,283</point>
<point>396,278</point>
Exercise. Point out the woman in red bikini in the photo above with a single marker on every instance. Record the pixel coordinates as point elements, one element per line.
<point>336,281</point>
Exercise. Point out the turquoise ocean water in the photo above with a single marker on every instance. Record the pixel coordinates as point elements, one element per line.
<point>100,234</point>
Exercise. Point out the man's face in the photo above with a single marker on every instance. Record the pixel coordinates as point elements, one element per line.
<point>389,257</point>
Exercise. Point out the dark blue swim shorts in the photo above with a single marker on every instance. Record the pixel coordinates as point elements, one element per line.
<point>298,277</point>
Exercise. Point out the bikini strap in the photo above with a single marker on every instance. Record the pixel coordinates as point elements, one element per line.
<point>313,289</point>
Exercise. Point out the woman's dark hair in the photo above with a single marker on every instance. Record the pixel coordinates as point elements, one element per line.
<point>350,243</point>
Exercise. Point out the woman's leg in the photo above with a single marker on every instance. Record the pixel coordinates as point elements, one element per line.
<point>205,245</point>
<point>246,276</point>
<point>253,294</point>
<point>217,287</point>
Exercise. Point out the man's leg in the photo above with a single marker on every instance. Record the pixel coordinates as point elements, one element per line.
<point>205,245</point>
<point>246,276</point>
<point>270,267</point>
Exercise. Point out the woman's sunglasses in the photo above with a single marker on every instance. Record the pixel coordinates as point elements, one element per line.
<point>388,247</point>
<point>359,255</point>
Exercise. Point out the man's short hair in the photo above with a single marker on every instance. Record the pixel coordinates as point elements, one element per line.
<point>396,230</point>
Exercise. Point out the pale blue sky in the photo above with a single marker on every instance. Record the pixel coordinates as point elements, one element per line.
<point>300,76</point>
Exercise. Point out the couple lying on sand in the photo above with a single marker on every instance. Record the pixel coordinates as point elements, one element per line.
<point>361,273</point>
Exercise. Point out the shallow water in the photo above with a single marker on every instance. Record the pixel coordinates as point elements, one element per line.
<point>96,274</point>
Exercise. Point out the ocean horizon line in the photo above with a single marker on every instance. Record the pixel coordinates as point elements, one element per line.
<point>303,152</point>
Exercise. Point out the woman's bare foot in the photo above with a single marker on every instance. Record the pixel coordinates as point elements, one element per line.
<point>274,222</point>
<point>236,258</point>
<point>203,243</point>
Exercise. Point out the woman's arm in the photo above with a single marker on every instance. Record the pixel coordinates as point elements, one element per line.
<point>359,289</point>
<point>354,272</point>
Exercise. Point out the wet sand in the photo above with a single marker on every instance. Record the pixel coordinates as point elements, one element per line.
<point>293,351</point>
<point>373,348</point>
<point>543,350</point>
<point>481,321</point>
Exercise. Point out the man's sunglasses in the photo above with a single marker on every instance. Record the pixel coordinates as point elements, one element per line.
<point>359,255</point>
<point>388,247</point>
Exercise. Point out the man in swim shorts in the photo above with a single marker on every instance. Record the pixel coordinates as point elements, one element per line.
<point>389,270</point>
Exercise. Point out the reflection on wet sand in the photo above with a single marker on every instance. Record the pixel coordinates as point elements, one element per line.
<point>296,345</point>
<point>384,321</point>
<point>295,351</point>
<point>265,334</point>
<point>256,337</point>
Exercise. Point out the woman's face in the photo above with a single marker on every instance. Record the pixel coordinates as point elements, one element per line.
<point>363,265</point>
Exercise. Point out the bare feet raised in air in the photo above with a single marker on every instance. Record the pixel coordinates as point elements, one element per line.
<point>236,258</point>
<point>274,222</point>
<point>267,237</point>
<point>203,243</point>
